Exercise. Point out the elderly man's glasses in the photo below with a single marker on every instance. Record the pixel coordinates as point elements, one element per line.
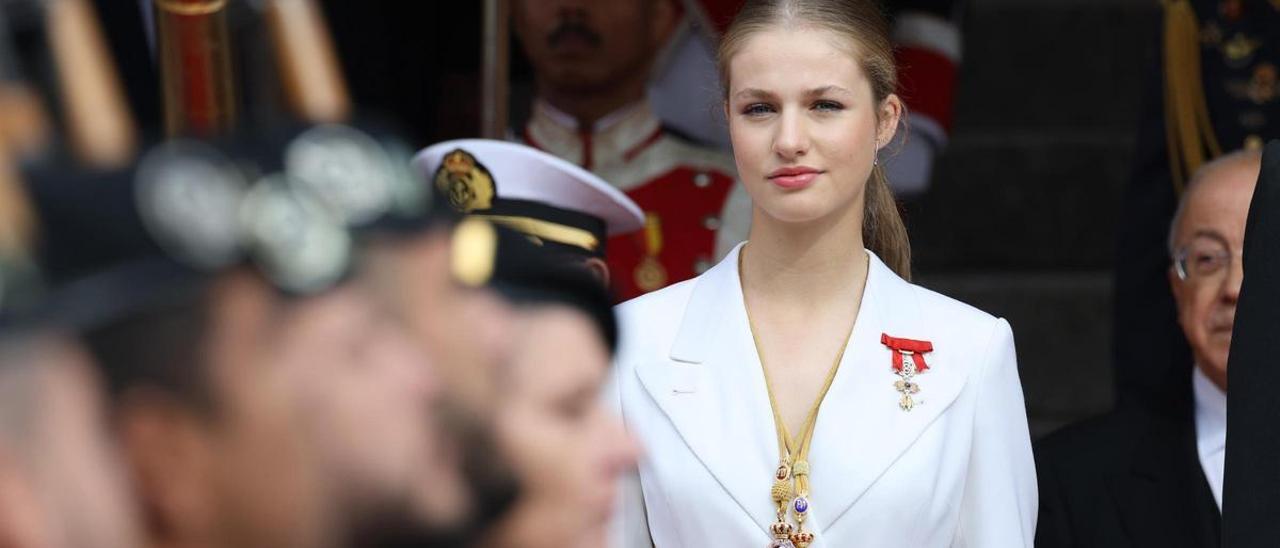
<point>1205,258</point>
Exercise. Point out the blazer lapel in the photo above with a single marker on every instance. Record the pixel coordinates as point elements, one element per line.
<point>713,392</point>
<point>863,404</point>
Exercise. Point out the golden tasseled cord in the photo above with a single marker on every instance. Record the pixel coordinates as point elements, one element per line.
<point>1188,132</point>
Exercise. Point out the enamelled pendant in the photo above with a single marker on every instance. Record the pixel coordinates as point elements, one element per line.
<point>790,502</point>
<point>781,529</point>
<point>799,505</point>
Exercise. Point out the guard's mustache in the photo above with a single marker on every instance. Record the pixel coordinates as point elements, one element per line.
<point>573,28</point>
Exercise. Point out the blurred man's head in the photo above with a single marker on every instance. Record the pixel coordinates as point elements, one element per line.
<point>62,482</point>
<point>1206,241</point>
<point>553,412</point>
<point>463,327</point>
<point>434,281</point>
<point>263,396</point>
<point>252,419</point>
<point>583,47</point>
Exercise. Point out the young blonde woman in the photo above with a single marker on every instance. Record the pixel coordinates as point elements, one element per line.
<point>803,392</point>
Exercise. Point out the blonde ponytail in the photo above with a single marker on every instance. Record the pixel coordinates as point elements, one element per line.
<point>883,231</point>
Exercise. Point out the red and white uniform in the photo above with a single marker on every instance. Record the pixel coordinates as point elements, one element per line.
<point>928,54</point>
<point>694,207</point>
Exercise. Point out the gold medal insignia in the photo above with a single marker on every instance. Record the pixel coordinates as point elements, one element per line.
<point>650,274</point>
<point>465,182</point>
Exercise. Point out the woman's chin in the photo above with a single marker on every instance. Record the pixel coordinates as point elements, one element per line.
<point>797,210</point>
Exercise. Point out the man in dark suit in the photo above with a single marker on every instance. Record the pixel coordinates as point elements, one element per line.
<point>1238,42</point>
<point>1151,476</point>
<point>1253,455</point>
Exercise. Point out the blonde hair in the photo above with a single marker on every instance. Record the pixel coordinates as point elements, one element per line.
<point>864,24</point>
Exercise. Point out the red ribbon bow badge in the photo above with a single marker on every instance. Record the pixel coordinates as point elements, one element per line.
<point>916,349</point>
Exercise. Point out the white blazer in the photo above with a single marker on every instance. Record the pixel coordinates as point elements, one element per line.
<point>955,471</point>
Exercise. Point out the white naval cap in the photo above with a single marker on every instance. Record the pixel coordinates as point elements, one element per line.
<point>529,190</point>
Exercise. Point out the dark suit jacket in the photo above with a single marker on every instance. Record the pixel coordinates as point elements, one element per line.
<point>1131,479</point>
<point>1251,490</point>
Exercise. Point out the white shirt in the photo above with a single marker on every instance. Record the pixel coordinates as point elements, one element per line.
<point>1211,430</point>
<point>954,472</point>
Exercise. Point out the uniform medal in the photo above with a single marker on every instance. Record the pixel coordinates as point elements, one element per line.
<point>650,275</point>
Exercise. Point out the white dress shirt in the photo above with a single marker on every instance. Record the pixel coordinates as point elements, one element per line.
<point>1211,430</point>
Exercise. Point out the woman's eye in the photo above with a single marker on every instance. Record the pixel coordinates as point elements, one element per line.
<point>757,109</point>
<point>827,106</point>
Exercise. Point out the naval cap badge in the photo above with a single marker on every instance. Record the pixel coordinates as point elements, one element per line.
<point>466,183</point>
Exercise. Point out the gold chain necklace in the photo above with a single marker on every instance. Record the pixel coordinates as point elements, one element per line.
<point>790,490</point>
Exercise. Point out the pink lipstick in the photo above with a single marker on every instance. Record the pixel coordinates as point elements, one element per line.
<point>794,178</point>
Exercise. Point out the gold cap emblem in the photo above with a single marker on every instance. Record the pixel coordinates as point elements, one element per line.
<point>467,184</point>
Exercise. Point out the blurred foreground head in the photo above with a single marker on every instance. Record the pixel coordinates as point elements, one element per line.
<point>566,448</point>
<point>62,482</point>
<point>1206,241</point>
<point>262,398</point>
<point>435,281</point>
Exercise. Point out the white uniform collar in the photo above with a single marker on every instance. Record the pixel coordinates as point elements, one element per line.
<point>1211,429</point>
<point>613,140</point>
<point>567,121</point>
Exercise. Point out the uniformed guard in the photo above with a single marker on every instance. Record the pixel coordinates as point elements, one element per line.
<point>592,63</point>
<point>560,206</point>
